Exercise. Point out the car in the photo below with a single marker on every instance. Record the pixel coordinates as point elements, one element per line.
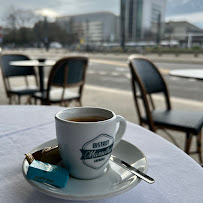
<point>55,45</point>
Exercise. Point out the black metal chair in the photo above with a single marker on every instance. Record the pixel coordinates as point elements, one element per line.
<point>147,80</point>
<point>66,74</point>
<point>9,72</point>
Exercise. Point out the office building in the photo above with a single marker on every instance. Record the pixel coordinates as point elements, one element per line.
<point>92,27</point>
<point>185,33</point>
<point>141,16</point>
<point>140,20</point>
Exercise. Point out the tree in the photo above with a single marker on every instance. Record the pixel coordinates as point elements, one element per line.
<point>19,37</point>
<point>55,33</point>
<point>17,18</point>
<point>25,28</point>
<point>18,26</point>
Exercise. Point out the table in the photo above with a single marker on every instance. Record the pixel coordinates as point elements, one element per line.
<point>178,178</point>
<point>188,73</point>
<point>38,64</point>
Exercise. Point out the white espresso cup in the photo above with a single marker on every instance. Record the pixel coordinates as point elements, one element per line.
<point>86,137</point>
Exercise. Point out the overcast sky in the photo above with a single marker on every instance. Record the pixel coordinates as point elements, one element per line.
<point>190,10</point>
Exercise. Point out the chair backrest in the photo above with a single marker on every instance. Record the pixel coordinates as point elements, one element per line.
<point>68,72</point>
<point>10,71</point>
<point>148,79</point>
<point>15,71</point>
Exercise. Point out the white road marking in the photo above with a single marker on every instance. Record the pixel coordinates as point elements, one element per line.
<point>120,69</point>
<point>158,97</point>
<point>102,73</point>
<point>111,74</point>
<point>174,78</point>
<point>91,72</point>
<point>162,70</point>
<point>115,74</point>
<point>128,75</point>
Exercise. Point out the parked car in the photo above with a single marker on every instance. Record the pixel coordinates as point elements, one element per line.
<point>55,45</point>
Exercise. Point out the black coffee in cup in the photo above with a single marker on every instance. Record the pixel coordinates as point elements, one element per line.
<point>87,119</point>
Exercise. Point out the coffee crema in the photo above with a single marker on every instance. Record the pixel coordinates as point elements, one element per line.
<point>87,119</point>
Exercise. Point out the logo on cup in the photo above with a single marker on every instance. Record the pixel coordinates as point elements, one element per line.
<point>97,151</point>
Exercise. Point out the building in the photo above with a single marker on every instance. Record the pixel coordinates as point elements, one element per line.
<point>141,16</point>
<point>184,32</point>
<point>180,29</point>
<point>92,27</point>
<point>138,19</point>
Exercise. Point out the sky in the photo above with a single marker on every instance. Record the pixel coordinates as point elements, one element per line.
<point>188,10</point>
<point>177,10</point>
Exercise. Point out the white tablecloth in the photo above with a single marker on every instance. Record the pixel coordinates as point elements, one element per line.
<point>178,178</point>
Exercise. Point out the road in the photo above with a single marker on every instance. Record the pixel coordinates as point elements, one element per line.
<point>110,70</point>
<point>115,74</point>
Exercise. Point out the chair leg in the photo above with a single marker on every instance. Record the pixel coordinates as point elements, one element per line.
<point>35,101</point>
<point>188,142</point>
<point>18,99</point>
<point>62,103</point>
<point>66,103</point>
<point>79,102</point>
<point>15,101</point>
<point>10,100</point>
<point>29,100</point>
<point>199,146</point>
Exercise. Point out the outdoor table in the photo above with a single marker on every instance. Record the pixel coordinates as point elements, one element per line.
<point>188,73</point>
<point>178,178</point>
<point>40,65</point>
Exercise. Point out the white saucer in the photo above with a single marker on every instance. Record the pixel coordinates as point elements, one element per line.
<point>115,180</point>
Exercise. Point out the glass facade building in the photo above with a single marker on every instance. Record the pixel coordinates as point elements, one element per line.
<point>133,19</point>
<point>140,15</point>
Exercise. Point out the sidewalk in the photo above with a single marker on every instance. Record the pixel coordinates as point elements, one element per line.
<point>57,53</point>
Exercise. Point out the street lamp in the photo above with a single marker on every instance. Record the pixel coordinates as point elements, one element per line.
<point>158,39</point>
<point>46,40</point>
<point>122,24</point>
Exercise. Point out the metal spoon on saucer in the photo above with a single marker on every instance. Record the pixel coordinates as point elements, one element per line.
<point>132,169</point>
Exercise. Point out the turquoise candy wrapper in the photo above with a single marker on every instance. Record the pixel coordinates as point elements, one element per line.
<point>48,173</point>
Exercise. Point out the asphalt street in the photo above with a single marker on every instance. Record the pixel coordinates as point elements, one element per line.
<point>117,76</point>
<point>111,71</point>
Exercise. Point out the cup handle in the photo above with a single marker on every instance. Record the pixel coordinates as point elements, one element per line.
<point>121,130</point>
